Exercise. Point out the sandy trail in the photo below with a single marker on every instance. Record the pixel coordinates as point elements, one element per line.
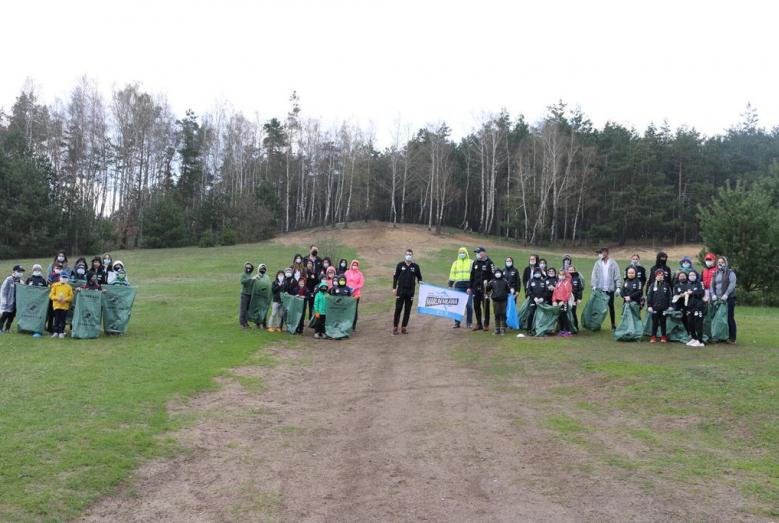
<point>375,428</point>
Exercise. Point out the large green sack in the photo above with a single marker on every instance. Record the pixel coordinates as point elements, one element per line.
<point>674,326</point>
<point>719,321</point>
<point>31,306</point>
<point>87,314</point>
<point>339,316</point>
<point>630,327</point>
<point>294,307</point>
<point>523,312</point>
<point>595,311</point>
<point>574,330</point>
<point>545,320</point>
<point>117,305</point>
<point>75,285</point>
<point>648,324</point>
<point>261,299</point>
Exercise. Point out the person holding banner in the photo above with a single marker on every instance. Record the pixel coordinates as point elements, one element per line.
<point>481,274</point>
<point>460,279</point>
<point>404,281</point>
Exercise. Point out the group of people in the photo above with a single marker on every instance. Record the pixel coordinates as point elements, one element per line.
<point>63,280</point>
<point>311,278</point>
<point>684,289</point>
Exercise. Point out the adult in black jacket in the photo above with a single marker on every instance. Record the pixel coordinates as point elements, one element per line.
<point>632,288</point>
<point>511,274</point>
<point>658,300</point>
<point>635,263</point>
<point>577,284</point>
<point>696,309</point>
<point>527,274</point>
<point>661,264</point>
<point>499,291</point>
<point>316,261</point>
<point>481,273</point>
<point>404,282</point>
<point>536,292</point>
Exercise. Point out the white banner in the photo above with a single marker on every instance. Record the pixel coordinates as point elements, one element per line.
<point>441,301</point>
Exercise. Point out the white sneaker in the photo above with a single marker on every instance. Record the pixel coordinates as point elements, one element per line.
<point>55,335</point>
<point>692,343</point>
<point>520,335</point>
<point>62,335</point>
<point>701,344</point>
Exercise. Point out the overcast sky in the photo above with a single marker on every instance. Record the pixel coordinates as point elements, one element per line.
<point>690,62</point>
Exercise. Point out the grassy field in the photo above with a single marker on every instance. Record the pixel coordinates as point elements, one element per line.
<point>77,416</point>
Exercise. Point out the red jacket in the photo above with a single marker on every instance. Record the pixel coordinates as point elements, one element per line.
<point>563,290</point>
<point>708,273</point>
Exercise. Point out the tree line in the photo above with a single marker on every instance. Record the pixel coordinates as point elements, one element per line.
<point>89,173</point>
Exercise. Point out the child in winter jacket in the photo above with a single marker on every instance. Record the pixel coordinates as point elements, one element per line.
<point>499,290</point>
<point>551,283</point>
<point>8,298</point>
<point>320,311</point>
<point>61,296</point>
<point>681,296</point>
<point>356,280</point>
<point>536,292</point>
<point>340,288</point>
<point>577,284</point>
<point>658,301</point>
<point>632,289</point>
<point>37,279</point>
<point>303,293</point>
<point>696,309</point>
<point>562,296</point>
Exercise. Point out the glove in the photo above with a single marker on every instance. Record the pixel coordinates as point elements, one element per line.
<point>650,309</point>
<point>618,292</point>
<point>725,297</point>
<point>317,315</point>
<point>539,300</point>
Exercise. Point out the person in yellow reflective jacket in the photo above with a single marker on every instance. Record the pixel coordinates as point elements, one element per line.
<point>459,278</point>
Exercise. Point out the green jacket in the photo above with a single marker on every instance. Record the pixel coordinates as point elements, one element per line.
<point>320,303</point>
<point>246,283</point>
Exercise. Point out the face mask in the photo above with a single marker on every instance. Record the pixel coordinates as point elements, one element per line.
<point>355,267</point>
<point>663,260</point>
<point>288,274</point>
<point>36,273</point>
<point>298,260</point>
<point>537,275</point>
<point>634,262</point>
<point>343,265</point>
<point>16,275</point>
<point>498,274</point>
<point>325,265</point>
<point>107,262</point>
<point>57,271</point>
<point>709,263</point>
<point>693,277</point>
<point>686,265</point>
<point>542,265</point>
<point>600,256</point>
<point>509,263</point>
<point>408,257</point>
<point>342,283</point>
<point>280,278</point>
<point>80,271</point>
<point>297,275</point>
<point>721,265</point>
<point>461,255</point>
<point>248,269</point>
<point>263,271</point>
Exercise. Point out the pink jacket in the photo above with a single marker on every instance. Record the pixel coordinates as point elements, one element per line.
<point>355,279</point>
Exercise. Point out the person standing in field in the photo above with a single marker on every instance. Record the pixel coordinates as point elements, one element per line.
<point>356,280</point>
<point>606,277</point>
<point>481,273</point>
<point>710,261</point>
<point>635,263</point>
<point>527,274</point>
<point>61,296</point>
<point>404,281</point>
<point>512,276</point>
<point>247,280</point>
<point>8,298</point>
<point>723,287</point>
<point>658,300</point>
<point>499,292</point>
<point>696,309</point>
<point>577,284</point>
<point>459,279</point>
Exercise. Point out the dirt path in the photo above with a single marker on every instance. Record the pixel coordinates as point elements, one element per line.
<point>375,428</point>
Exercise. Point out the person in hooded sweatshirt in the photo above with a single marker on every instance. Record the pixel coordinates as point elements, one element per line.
<point>696,309</point>
<point>710,261</point>
<point>499,292</point>
<point>303,293</point>
<point>527,273</point>
<point>723,287</point>
<point>247,281</point>
<point>577,286</point>
<point>681,296</point>
<point>459,279</point>
<point>551,283</point>
<point>8,298</point>
<point>320,310</point>
<point>97,268</point>
<point>340,287</point>
<point>342,266</point>
<point>658,301</point>
<point>685,265</point>
<point>562,296</point>
<point>329,276</point>
<point>661,264</point>
<point>277,287</point>
<point>355,279</point>
<point>536,291</point>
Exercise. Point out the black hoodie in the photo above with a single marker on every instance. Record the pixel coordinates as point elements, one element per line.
<point>656,267</point>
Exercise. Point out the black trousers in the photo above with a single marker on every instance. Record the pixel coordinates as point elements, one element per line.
<point>658,320</point>
<point>732,318</point>
<point>611,309</point>
<point>685,321</point>
<point>531,314</point>
<point>59,320</point>
<point>562,319</point>
<point>356,310</point>
<point>480,300</point>
<point>319,325</point>
<point>403,304</point>
<point>695,324</point>
<point>575,319</point>
<point>310,305</point>
<point>500,314</point>
<point>6,320</point>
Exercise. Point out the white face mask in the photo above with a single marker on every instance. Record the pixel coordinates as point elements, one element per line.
<point>297,275</point>
<point>325,265</point>
<point>60,258</point>
<point>709,264</point>
<point>288,274</point>
<point>16,274</point>
<point>532,263</point>
<point>36,273</point>
<point>298,260</point>
<point>634,262</point>
<point>280,278</point>
<point>600,256</point>
<point>80,271</point>
<point>107,262</point>
<point>509,263</point>
<point>408,257</point>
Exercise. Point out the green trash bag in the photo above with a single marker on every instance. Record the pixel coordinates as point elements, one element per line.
<point>294,308</point>
<point>117,305</point>
<point>339,316</point>
<point>648,324</point>
<point>674,326</point>
<point>31,306</point>
<point>73,285</point>
<point>523,311</point>
<point>261,299</point>
<point>595,311</point>
<point>719,322</point>
<point>574,330</point>
<point>630,327</point>
<point>87,314</point>
<point>545,320</point>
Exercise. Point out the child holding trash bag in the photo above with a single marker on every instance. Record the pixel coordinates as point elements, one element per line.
<point>632,289</point>
<point>562,297</point>
<point>577,286</point>
<point>499,290</point>
<point>61,296</point>
<point>320,310</point>
<point>681,296</point>
<point>696,309</point>
<point>536,291</point>
<point>658,301</point>
<point>551,283</point>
